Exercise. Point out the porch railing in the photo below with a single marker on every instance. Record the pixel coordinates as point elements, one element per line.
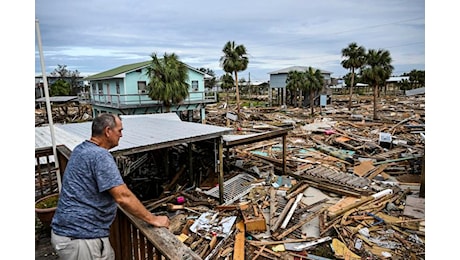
<point>127,100</point>
<point>131,238</point>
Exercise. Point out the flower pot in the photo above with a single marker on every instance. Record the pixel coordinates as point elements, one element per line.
<point>45,208</point>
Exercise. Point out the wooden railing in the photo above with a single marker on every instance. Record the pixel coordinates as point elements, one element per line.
<point>131,238</point>
<point>46,171</point>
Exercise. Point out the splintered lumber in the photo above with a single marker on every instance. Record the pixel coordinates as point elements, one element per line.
<point>363,168</point>
<point>376,171</point>
<point>291,211</point>
<point>239,242</point>
<point>299,224</point>
<point>253,220</point>
<point>151,205</point>
<point>273,203</point>
<point>297,189</point>
<point>268,243</point>
<point>282,215</point>
<point>346,204</point>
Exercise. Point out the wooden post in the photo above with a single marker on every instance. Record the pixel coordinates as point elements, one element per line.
<point>284,154</point>
<point>422,179</point>
<point>221,172</point>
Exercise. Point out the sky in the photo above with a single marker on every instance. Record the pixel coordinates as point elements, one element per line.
<point>95,36</point>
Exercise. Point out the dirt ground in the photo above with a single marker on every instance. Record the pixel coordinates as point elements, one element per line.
<point>43,248</point>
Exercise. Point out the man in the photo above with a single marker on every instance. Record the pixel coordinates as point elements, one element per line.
<point>91,189</point>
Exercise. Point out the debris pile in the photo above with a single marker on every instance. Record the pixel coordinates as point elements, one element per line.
<point>353,189</point>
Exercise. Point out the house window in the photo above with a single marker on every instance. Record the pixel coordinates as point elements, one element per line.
<point>94,87</point>
<point>195,85</point>
<point>142,87</point>
<point>117,84</point>
<point>99,86</point>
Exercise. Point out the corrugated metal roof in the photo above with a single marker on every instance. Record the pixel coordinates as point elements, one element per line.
<point>140,132</point>
<point>57,99</point>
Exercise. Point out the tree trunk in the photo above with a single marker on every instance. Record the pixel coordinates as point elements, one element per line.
<point>227,122</point>
<point>237,95</point>
<point>376,88</point>
<point>311,103</point>
<point>351,88</point>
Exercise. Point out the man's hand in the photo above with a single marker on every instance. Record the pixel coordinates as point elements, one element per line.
<point>160,221</point>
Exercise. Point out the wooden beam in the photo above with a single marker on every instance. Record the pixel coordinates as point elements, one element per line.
<point>163,240</point>
<point>239,242</point>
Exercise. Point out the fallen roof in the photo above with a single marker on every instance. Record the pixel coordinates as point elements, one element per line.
<point>57,99</point>
<point>140,133</point>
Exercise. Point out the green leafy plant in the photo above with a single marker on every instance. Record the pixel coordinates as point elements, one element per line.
<point>47,203</point>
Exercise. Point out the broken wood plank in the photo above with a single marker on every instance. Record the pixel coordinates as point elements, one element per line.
<point>291,211</point>
<point>239,242</point>
<point>297,189</point>
<point>299,224</point>
<point>282,215</point>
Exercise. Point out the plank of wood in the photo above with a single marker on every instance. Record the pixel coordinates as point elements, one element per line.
<point>298,190</point>
<point>363,168</point>
<point>273,203</point>
<point>163,240</point>
<point>239,242</point>
<point>347,204</point>
<point>282,215</point>
<point>291,210</point>
<point>299,224</point>
<point>376,171</point>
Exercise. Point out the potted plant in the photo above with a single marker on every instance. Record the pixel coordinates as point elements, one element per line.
<point>45,208</point>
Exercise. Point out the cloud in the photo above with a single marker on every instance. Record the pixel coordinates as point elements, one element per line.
<point>96,36</point>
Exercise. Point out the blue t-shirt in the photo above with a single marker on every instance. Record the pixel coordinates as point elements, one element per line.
<point>85,208</point>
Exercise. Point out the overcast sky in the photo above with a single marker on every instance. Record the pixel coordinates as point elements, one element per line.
<point>94,36</point>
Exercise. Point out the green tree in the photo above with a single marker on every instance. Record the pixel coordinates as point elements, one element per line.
<point>167,79</point>
<point>354,58</point>
<point>376,71</point>
<point>60,88</point>
<point>295,81</point>
<point>417,78</point>
<point>209,82</point>
<point>234,59</point>
<point>314,82</point>
<point>404,84</point>
<point>227,83</point>
<point>69,76</point>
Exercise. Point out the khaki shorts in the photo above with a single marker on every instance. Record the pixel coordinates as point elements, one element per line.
<point>82,249</point>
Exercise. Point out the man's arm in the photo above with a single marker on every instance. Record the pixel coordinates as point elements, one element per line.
<point>129,202</point>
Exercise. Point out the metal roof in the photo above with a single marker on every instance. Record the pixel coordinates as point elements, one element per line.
<point>57,99</point>
<point>140,133</point>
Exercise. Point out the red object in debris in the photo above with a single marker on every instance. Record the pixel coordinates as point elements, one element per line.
<point>329,132</point>
<point>180,200</point>
<point>239,129</point>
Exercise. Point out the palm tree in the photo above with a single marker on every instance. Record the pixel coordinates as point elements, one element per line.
<point>234,59</point>
<point>376,71</point>
<point>417,78</point>
<point>314,82</point>
<point>168,79</point>
<point>210,82</point>
<point>294,83</point>
<point>355,57</point>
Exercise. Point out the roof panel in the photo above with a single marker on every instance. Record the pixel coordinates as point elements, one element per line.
<point>139,131</point>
